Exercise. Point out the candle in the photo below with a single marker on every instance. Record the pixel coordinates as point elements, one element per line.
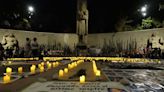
<point>32,69</point>
<point>48,62</point>
<point>54,64</point>
<point>34,66</point>
<point>42,63</point>
<point>65,70</point>
<point>75,64</point>
<point>69,66</point>
<point>9,62</point>
<point>98,73</point>
<point>6,79</point>
<point>61,73</point>
<point>41,69</point>
<point>39,65</point>
<point>8,70</point>
<point>72,65</point>
<point>49,66</point>
<point>20,70</point>
<point>57,63</point>
<point>82,79</point>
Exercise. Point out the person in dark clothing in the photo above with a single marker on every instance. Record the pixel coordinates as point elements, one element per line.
<point>1,52</point>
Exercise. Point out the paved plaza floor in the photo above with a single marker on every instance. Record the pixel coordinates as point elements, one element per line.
<point>115,77</point>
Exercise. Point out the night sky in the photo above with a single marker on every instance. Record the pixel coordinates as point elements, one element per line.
<point>60,16</point>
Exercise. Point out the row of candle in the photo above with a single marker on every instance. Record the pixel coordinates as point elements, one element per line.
<point>22,59</point>
<point>95,70</point>
<point>62,72</point>
<point>70,66</point>
<point>52,58</point>
<point>6,78</point>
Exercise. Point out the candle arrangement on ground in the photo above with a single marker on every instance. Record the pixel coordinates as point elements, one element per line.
<point>76,69</point>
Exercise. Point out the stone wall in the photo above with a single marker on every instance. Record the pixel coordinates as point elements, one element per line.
<point>44,38</point>
<point>129,39</point>
<point>124,40</point>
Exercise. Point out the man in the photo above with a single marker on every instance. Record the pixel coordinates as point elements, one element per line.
<point>34,47</point>
<point>27,48</point>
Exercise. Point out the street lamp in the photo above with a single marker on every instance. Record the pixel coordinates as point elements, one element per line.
<point>143,10</point>
<point>144,14</point>
<point>30,11</point>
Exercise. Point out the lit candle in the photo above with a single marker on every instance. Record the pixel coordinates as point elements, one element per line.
<point>34,66</point>
<point>39,65</point>
<point>98,73</point>
<point>41,69</point>
<point>72,65</point>
<point>82,79</point>
<point>48,62</point>
<point>49,66</point>
<point>54,64</point>
<point>9,62</point>
<point>20,70</point>
<point>75,64</point>
<point>6,79</point>
<point>8,70</point>
<point>61,73</point>
<point>69,66</point>
<point>32,69</point>
<point>65,70</point>
<point>57,63</point>
<point>42,63</point>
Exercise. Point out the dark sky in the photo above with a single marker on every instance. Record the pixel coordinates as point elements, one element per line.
<point>60,15</point>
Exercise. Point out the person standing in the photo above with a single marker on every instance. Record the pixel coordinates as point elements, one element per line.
<point>34,47</point>
<point>27,48</point>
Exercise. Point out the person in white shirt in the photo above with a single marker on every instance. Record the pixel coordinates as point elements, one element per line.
<point>27,48</point>
<point>34,47</point>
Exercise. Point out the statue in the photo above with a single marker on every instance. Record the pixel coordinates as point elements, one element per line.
<point>82,20</point>
<point>10,45</point>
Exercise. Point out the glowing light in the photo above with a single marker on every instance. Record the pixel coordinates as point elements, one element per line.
<point>61,73</point>
<point>82,79</point>
<point>144,14</point>
<point>8,70</point>
<point>143,9</point>
<point>30,8</point>
<point>6,79</point>
<point>20,70</point>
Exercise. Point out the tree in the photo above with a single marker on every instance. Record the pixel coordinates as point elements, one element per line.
<point>147,23</point>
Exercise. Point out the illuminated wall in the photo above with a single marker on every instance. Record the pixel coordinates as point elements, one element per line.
<point>44,38</point>
<point>123,39</point>
<point>116,40</point>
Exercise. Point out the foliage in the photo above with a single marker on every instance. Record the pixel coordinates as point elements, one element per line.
<point>147,23</point>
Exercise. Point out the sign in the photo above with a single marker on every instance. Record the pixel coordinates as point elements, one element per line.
<point>55,86</point>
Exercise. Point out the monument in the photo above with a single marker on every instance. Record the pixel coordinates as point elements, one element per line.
<point>82,25</point>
